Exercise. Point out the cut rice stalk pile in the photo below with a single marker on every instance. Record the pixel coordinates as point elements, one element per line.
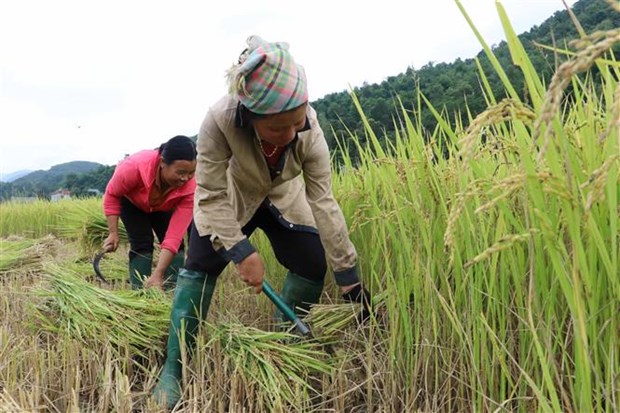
<point>330,320</point>
<point>279,363</point>
<point>18,255</point>
<point>73,307</point>
<point>88,226</point>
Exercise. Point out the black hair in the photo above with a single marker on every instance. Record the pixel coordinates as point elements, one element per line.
<point>179,148</point>
<point>248,116</point>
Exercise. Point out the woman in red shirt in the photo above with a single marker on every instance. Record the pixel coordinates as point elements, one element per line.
<point>152,191</point>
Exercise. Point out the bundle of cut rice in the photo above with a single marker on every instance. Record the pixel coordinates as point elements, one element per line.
<point>280,364</point>
<point>330,320</point>
<point>89,226</point>
<point>71,306</point>
<point>19,255</point>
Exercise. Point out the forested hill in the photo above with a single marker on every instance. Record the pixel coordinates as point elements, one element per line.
<point>452,87</point>
<point>66,175</point>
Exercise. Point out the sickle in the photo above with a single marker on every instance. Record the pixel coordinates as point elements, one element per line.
<point>96,260</point>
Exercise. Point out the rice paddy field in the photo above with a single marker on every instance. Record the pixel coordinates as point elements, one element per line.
<point>491,251</point>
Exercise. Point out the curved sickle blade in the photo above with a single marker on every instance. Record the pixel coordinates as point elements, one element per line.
<point>96,260</point>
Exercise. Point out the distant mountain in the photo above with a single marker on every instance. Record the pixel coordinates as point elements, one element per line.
<point>58,171</point>
<point>42,183</point>
<point>10,177</point>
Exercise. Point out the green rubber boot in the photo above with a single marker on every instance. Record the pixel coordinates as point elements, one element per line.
<point>140,269</point>
<point>299,293</point>
<point>191,301</point>
<point>172,272</point>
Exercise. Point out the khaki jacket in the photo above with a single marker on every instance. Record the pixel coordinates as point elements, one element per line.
<point>233,180</point>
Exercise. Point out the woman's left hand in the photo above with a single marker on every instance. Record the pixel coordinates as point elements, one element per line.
<point>155,280</point>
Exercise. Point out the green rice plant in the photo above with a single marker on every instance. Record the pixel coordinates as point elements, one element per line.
<point>70,306</point>
<point>20,255</point>
<point>12,253</point>
<point>32,220</point>
<point>74,219</point>
<point>493,249</point>
<point>496,246</point>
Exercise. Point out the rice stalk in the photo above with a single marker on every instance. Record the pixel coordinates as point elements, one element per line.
<point>330,320</point>
<point>592,47</point>
<point>88,226</point>
<point>112,266</point>
<point>597,181</point>
<point>72,307</point>
<point>18,255</point>
<point>279,363</point>
<point>501,244</point>
<point>9,404</point>
<point>32,220</point>
<point>457,208</point>
<point>614,123</point>
<point>506,110</point>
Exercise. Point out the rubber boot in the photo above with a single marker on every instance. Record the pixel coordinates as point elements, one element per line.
<point>299,293</point>
<point>191,301</point>
<point>172,272</point>
<point>140,269</point>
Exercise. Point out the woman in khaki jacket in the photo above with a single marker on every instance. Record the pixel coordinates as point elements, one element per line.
<point>263,162</point>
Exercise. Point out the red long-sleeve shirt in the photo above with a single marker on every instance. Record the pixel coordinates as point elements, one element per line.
<point>134,178</point>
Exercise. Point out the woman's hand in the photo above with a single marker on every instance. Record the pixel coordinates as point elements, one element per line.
<point>155,280</point>
<point>111,242</point>
<point>158,276</point>
<point>252,270</point>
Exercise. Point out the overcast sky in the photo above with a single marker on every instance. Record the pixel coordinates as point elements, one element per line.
<point>86,80</point>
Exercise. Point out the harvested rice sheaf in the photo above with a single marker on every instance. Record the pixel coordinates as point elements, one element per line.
<point>331,319</point>
<point>276,362</point>
<point>71,306</point>
<point>279,363</point>
<point>89,227</point>
<point>19,255</point>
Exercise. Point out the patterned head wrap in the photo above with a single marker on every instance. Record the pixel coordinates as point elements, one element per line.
<point>266,80</point>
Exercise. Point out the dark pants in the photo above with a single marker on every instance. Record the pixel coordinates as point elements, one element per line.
<point>140,226</point>
<point>299,252</point>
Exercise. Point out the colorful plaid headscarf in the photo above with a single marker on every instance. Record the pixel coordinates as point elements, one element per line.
<point>266,80</point>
